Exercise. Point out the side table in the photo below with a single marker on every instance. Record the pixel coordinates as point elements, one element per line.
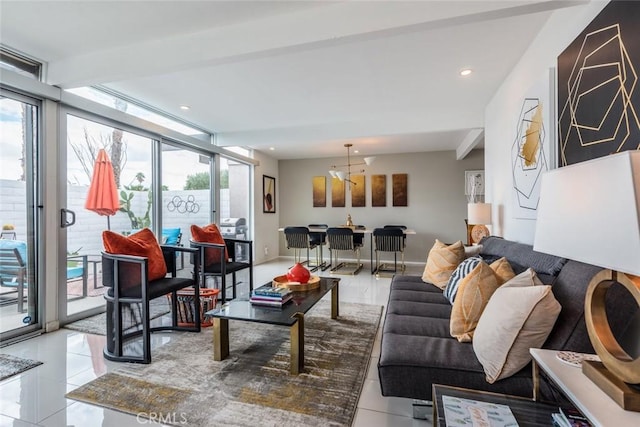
<point>526,412</point>
<point>587,397</point>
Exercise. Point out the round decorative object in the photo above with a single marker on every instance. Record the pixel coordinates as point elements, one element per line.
<point>298,273</point>
<point>478,232</point>
<point>613,356</point>
<point>282,282</point>
<point>575,359</point>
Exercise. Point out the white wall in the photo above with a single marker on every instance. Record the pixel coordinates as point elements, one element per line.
<point>437,204</point>
<point>502,113</point>
<point>265,240</point>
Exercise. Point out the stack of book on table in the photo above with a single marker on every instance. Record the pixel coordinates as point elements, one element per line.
<point>269,296</point>
<point>570,417</point>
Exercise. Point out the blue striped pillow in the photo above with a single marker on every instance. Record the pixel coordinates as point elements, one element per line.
<point>462,270</point>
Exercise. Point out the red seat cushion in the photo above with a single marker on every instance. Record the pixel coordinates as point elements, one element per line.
<point>209,234</point>
<point>144,244</point>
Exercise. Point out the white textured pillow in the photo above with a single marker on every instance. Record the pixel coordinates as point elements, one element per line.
<point>519,316</point>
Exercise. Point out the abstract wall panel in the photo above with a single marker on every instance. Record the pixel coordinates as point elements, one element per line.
<point>399,182</point>
<point>378,190</point>
<point>358,194</point>
<point>319,191</point>
<point>337,193</point>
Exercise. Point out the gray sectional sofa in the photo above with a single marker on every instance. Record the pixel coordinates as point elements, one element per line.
<point>418,351</point>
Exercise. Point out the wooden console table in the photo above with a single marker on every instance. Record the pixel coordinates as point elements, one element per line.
<point>587,397</point>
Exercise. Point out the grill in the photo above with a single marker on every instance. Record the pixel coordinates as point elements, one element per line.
<point>234,228</point>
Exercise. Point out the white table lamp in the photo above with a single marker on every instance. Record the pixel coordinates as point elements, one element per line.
<point>478,216</point>
<point>590,212</point>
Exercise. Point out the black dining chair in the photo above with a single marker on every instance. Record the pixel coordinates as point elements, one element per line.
<point>319,238</point>
<point>299,239</point>
<point>389,239</point>
<point>342,239</point>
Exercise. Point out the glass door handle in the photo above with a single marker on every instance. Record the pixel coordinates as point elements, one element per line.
<point>64,218</point>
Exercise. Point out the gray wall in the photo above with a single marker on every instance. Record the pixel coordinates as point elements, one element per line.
<point>437,204</point>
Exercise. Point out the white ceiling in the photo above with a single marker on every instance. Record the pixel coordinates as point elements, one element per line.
<point>303,77</point>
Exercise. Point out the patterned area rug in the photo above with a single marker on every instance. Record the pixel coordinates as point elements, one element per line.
<point>13,365</point>
<point>98,324</point>
<point>253,386</point>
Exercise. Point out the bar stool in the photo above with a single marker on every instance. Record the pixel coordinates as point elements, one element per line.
<point>342,239</point>
<point>298,239</point>
<point>389,240</point>
<point>319,239</point>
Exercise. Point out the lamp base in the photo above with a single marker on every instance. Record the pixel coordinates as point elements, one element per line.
<point>626,397</point>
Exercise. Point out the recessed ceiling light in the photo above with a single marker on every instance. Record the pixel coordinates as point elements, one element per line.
<point>356,151</point>
<point>185,107</point>
<point>466,72</point>
<point>272,148</point>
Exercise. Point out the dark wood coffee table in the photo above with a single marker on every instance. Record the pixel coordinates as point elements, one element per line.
<point>290,315</point>
<point>527,412</point>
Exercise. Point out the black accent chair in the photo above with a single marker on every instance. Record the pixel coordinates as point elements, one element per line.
<point>299,239</point>
<point>343,239</point>
<point>389,239</point>
<point>117,272</point>
<point>224,267</point>
<point>401,227</point>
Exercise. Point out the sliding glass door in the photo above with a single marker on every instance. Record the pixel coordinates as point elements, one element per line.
<point>131,158</point>
<point>20,294</point>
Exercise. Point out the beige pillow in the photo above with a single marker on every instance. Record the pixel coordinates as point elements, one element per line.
<point>503,270</point>
<point>441,262</point>
<point>517,317</point>
<point>473,295</point>
<point>472,250</point>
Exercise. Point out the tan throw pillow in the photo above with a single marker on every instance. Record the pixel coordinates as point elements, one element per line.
<point>517,317</point>
<point>503,270</point>
<point>473,295</point>
<point>441,262</point>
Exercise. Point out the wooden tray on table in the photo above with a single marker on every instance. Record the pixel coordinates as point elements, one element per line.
<point>282,282</point>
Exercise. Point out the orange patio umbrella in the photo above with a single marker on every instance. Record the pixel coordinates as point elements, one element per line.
<point>103,194</point>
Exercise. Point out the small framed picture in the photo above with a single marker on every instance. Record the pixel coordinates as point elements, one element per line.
<point>268,194</point>
<point>474,183</point>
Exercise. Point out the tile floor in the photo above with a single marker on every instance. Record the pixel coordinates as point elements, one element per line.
<point>36,397</point>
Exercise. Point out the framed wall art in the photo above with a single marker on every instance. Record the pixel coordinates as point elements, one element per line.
<point>268,194</point>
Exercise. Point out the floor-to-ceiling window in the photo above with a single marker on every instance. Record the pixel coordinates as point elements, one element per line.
<point>20,294</point>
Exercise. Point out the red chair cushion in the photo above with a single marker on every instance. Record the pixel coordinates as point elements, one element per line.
<point>209,234</point>
<point>144,244</point>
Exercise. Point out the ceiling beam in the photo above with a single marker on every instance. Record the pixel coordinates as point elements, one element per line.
<point>473,138</point>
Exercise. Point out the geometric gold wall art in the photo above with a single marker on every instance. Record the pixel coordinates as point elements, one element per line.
<point>528,158</point>
<point>598,97</point>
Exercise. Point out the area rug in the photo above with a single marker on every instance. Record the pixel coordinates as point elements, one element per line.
<point>184,385</point>
<point>13,365</point>
<point>98,324</point>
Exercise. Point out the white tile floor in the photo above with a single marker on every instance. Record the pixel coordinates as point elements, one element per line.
<point>36,397</point>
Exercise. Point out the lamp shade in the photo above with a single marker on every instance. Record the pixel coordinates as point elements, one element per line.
<point>341,175</point>
<point>369,160</point>
<point>479,213</point>
<point>589,212</point>
<point>333,173</point>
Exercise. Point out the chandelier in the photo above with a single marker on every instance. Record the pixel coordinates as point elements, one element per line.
<point>345,175</point>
